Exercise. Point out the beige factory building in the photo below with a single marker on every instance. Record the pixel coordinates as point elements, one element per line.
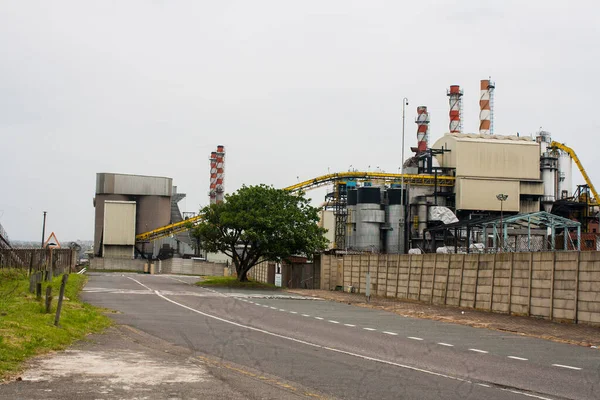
<point>487,165</point>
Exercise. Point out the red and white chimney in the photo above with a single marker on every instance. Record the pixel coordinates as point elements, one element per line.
<point>212,193</point>
<point>455,98</point>
<point>422,122</point>
<point>486,116</point>
<point>220,183</point>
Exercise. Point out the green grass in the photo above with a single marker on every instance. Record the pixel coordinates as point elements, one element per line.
<point>26,330</point>
<point>232,282</point>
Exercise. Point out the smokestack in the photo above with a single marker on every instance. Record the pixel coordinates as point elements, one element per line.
<point>455,97</point>
<point>213,178</point>
<point>422,122</point>
<point>486,116</point>
<point>220,184</point>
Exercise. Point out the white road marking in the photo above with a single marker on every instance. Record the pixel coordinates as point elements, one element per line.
<point>479,351</point>
<point>446,344</point>
<point>566,366</point>
<point>264,305</point>
<point>414,338</point>
<point>332,349</point>
<point>318,318</point>
<point>135,280</point>
<point>390,333</point>
<point>350,325</point>
<point>517,358</point>
<point>293,312</point>
<point>281,309</point>
<point>333,322</point>
<point>305,315</point>
<point>484,385</point>
<point>369,329</point>
<point>273,308</point>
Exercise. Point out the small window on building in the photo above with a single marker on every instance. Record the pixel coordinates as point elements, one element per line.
<point>589,244</point>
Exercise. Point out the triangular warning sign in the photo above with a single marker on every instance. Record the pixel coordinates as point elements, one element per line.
<point>52,242</point>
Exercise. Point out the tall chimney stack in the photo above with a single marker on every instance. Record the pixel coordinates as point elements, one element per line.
<point>455,97</point>
<point>213,178</point>
<point>422,122</point>
<point>486,116</point>
<point>220,184</point>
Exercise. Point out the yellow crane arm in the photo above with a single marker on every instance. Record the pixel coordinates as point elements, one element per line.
<point>169,229</point>
<point>571,153</point>
<point>425,180</point>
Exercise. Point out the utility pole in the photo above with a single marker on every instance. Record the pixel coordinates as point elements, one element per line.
<point>401,238</point>
<point>44,230</point>
<point>502,197</point>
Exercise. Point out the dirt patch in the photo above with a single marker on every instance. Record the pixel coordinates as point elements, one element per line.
<point>581,335</point>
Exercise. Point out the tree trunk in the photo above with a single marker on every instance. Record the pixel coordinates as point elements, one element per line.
<point>243,276</point>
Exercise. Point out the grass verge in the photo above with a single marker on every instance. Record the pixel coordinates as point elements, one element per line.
<point>26,330</point>
<point>232,282</point>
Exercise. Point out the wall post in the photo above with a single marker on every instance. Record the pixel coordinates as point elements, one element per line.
<point>397,275</point>
<point>447,279</point>
<point>577,287</point>
<point>408,280</point>
<point>462,272</point>
<point>476,281</point>
<point>552,286</point>
<point>433,277</point>
<point>421,277</point>
<point>530,278</point>
<point>492,284</point>
<point>512,262</point>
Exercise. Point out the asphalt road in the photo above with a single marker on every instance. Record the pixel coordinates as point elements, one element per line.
<point>341,351</point>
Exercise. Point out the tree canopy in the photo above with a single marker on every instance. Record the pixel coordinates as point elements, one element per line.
<point>261,223</point>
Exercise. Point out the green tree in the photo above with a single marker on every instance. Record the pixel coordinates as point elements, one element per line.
<point>261,223</point>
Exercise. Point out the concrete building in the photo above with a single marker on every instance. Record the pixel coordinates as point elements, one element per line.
<point>118,229</point>
<point>151,196</point>
<point>487,165</point>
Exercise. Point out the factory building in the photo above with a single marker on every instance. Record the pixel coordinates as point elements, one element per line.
<point>127,205</point>
<point>466,182</point>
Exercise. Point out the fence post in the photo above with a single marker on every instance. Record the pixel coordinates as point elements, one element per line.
<point>552,286</point>
<point>462,272</point>
<point>408,280</point>
<point>397,274</point>
<point>577,286</point>
<point>530,278</point>
<point>433,277</point>
<point>476,281</point>
<point>61,294</point>
<point>447,279</point>
<point>492,284</point>
<point>421,277</point>
<point>48,299</point>
<point>38,290</point>
<point>512,262</point>
<point>387,273</point>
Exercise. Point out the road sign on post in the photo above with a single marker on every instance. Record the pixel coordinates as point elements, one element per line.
<point>278,275</point>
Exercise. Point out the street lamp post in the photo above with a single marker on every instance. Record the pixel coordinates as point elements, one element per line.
<point>502,197</point>
<point>402,219</point>
<point>44,230</point>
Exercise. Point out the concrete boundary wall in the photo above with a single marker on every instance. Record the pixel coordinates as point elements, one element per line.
<point>191,267</point>
<point>560,286</point>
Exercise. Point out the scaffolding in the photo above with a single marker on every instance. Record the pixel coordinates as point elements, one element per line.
<point>515,233</point>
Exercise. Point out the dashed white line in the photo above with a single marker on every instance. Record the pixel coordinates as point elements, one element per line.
<point>369,329</point>
<point>517,358</point>
<point>566,366</point>
<point>318,318</point>
<point>273,308</point>
<point>305,315</point>
<point>479,351</point>
<point>333,322</point>
<point>293,312</point>
<point>332,349</point>
<point>350,325</point>
<point>266,306</point>
<point>484,385</point>
<point>281,309</point>
<point>445,344</point>
<point>390,333</point>
<point>415,338</point>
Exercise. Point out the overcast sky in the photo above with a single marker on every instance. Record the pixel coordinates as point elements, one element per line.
<point>291,88</point>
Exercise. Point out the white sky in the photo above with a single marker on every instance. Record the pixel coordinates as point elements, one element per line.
<point>291,88</point>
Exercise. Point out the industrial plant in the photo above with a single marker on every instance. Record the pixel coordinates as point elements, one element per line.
<point>464,193</point>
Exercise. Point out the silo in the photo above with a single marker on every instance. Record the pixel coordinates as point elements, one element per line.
<point>565,177</point>
<point>394,212</point>
<point>370,216</point>
<point>351,220</point>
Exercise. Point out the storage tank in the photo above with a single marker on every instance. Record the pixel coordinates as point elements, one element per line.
<point>394,212</point>
<point>351,220</point>
<point>565,175</point>
<point>548,169</point>
<point>370,216</point>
